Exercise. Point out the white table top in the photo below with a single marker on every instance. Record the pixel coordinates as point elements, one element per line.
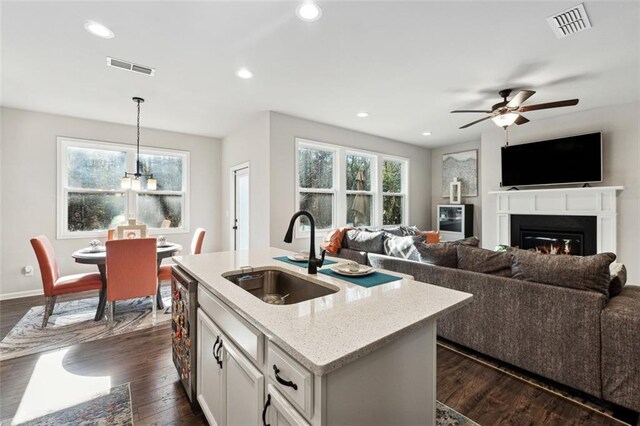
<point>88,255</point>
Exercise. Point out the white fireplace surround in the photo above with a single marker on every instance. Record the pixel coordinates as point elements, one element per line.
<point>599,201</point>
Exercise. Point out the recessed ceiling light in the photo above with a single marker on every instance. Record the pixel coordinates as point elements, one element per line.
<point>426,133</point>
<point>362,114</point>
<point>97,29</point>
<point>309,12</point>
<point>244,73</point>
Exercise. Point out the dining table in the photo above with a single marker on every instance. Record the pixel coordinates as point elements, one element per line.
<point>98,257</point>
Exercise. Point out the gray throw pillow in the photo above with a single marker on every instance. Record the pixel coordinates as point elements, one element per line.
<point>440,254</point>
<point>409,230</point>
<point>397,231</point>
<point>618,278</point>
<point>469,241</point>
<point>484,261</point>
<point>372,242</point>
<point>403,247</point>
<point>589,273</point>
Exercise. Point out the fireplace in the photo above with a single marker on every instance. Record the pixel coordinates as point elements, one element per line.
<point>552,234</point>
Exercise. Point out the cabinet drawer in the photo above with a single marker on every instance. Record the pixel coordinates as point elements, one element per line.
<point>280,412</point>
<point>293,380</point>
<point>246,336</point>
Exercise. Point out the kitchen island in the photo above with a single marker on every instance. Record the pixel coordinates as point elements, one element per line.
<point>355,356</point>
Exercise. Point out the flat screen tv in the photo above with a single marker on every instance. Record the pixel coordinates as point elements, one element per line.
<point>574,159</point>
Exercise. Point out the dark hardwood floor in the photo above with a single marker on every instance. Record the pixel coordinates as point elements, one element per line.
<point>143,358</point>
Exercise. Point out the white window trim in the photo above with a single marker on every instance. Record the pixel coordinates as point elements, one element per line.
<point>64,142</point>
<point>340,192</point>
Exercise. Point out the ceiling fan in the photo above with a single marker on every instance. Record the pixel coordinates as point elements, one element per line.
<point>506,113</point>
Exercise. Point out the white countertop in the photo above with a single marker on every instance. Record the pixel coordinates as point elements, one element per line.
<point>327,332</point>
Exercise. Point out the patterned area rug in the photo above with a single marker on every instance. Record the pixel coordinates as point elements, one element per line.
<point>111,408</point>
<point>447,416</point>
<point>72,322</point>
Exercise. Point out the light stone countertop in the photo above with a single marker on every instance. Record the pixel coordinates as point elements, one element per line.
<point>328,332</point>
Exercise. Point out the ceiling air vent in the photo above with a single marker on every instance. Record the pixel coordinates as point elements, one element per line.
<point>569,22</point>
<point>124,65</point>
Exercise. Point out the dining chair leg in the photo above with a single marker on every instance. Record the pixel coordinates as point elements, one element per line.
<point>49,304</point>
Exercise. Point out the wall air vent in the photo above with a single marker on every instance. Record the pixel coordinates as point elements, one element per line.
<point>124,65</point>
<point>569,22</point>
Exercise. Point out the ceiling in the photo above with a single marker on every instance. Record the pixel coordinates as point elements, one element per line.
<point>406,63</point>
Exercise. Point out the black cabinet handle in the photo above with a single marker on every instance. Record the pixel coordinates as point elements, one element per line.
<point>282,381</point>
<point>218,357</point>
<point>264,410</point>
<point>213,352</point>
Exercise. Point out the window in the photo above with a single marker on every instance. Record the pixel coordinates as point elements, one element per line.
<point>341,186</point>
<point>316,185</point>
<point>90,199</point>
<point>393,195</point>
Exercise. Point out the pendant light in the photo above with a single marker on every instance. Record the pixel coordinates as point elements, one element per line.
<point>127,182</point>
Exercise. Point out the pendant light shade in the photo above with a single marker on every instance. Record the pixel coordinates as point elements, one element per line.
<point>132,180</point>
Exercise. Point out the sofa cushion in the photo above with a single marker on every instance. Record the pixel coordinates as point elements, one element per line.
<point>403,247</point>
<point>589,273</point>
<point>356,239</point>
<point>441,254</point>
<point>484,261</point>
<point>469,241</point>
<point>618,278</point>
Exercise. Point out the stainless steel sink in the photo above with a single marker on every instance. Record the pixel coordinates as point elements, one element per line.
<point>275,281</point>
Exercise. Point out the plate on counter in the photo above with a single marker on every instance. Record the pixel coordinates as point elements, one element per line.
<point>298,257</point>
<point>342,270</point>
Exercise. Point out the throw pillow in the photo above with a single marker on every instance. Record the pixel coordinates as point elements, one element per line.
<point>332,241</point>
<point>372,242</point>
<point>402,247</point>
<point>409,230</point>
<point>433,237</point>
<point>589,273</point>
<point>469,241</point>
<point>618,274</point>
<point>441,254</point>
<point>484,261</point>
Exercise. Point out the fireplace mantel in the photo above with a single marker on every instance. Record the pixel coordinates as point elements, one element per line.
<point>598,201</point>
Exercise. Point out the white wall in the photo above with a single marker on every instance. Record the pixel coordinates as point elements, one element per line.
<point>620,126</point>
<point>248,144</point>
<point>284,129</point>
<point>436,184</point>
<point>28,199</point>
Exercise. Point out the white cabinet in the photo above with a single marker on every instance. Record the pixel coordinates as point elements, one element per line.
<point>244,389</point>
<point>210,377</point>
<point>279,412</point>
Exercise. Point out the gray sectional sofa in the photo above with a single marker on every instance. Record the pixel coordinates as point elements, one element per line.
<point>573,328</point>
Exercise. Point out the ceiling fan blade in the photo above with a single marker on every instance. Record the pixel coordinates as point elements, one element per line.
<point>557,104</point>
<point>471,110</point>
<point>521,120</point>
<point>519,98</point>
<point>475,122</point>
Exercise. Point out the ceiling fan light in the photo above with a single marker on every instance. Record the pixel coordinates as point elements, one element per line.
<point>505,120</point>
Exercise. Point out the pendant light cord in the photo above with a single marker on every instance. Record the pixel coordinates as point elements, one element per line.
<point>138,142</point>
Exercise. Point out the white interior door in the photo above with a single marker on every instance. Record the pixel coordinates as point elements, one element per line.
<point>240,219</point>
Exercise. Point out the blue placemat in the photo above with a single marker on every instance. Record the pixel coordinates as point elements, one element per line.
<point>370,280</point>
<point>285,259</point>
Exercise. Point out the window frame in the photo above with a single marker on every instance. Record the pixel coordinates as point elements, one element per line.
<point>340,192</point>
<point>130,196</point>
<point>404,185</point>
<point>333,190</point>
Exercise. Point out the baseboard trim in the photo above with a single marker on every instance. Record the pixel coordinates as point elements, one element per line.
<point>19,294</point>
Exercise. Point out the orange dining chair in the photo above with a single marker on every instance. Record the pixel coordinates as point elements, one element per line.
<point>131,271</point>
<point>53,284</point>
<point>111,233</point>
<point>196,248</point>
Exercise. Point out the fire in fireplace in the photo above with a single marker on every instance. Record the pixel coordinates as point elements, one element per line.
<point>557,235</point>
